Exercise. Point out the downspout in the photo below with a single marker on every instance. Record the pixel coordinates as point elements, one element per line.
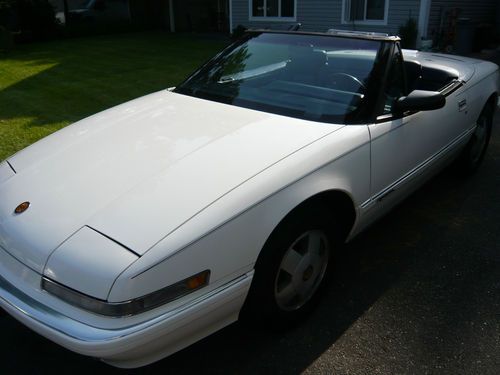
<point>230,16</point>
<point>423,20</point>
<point>129,12</point>
<point>171,14</point>
<point>66,12</point>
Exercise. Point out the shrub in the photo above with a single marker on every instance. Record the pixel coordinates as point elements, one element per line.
<point>29,19</point>
<point>238,32</point>
<point>6,42</point>
<point>408,33</point>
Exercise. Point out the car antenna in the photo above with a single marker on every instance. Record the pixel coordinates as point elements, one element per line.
<point>295,27</point>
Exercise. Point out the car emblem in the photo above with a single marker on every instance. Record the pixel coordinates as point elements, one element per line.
<point>22,207</point>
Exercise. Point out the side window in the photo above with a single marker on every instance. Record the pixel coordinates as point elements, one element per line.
<point>395,87</point>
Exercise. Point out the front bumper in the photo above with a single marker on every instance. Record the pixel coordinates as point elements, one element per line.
<point>135,345</point>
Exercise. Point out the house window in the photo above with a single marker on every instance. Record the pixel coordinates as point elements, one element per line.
<point>365,11</point>
<point>272,9</point>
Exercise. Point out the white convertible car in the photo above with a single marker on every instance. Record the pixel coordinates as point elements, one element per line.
<point>139,230</point>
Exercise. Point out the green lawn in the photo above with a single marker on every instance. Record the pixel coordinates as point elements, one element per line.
<point>46,86</point>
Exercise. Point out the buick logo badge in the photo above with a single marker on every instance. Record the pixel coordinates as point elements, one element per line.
<point>22,207</point>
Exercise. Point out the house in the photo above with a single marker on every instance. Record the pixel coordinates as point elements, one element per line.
<point>443,21</point>
<point>436,19</point>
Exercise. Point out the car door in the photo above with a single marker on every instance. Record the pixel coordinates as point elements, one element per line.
<point>405,146</point>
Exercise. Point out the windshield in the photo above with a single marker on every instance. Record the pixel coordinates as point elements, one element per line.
<point>313,77</point>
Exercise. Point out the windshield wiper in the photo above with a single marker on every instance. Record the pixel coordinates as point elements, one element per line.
<point>253,72</point>
<point>226,79</point>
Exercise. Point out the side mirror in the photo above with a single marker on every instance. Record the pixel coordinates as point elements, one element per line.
<point>420,100</point>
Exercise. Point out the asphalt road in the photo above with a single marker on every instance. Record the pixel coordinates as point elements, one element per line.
<point>418,293</point>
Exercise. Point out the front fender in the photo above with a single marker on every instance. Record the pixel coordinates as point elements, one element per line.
<point>233,230</point>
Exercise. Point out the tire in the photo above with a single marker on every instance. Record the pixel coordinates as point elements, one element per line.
<point>473,153</point>
<point>292,270</point>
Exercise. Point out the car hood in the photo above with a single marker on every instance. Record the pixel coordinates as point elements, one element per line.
<point>136,172</point>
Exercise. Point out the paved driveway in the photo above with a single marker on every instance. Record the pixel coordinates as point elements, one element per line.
<point>417,293</point>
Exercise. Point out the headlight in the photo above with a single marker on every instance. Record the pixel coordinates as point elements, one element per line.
<point>131,307</point>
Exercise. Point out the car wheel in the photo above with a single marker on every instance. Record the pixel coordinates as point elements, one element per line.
<point>473,153</point>
<point>292,269</point>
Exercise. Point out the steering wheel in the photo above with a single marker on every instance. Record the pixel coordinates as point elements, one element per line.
<point>351,79</point>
